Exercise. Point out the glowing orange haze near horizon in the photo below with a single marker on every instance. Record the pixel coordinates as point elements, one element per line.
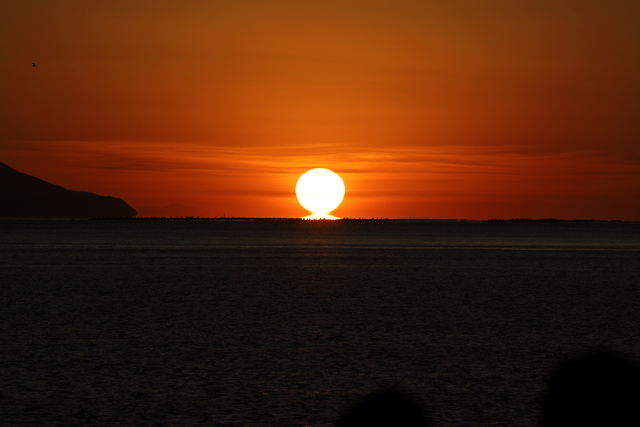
<point>464,109</point>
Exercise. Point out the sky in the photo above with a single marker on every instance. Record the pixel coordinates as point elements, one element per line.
<point>427,109</point>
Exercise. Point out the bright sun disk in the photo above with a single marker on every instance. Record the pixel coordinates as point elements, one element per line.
<point>320,191</point>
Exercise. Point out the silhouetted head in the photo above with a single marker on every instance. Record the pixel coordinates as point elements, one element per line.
<point>385,407</point>
<point>600,388</point>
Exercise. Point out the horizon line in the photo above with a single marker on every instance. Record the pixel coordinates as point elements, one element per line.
<point>256,218</point>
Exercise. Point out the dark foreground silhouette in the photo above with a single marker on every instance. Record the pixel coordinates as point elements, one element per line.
<point>385,407</point>
<point>599,388</point>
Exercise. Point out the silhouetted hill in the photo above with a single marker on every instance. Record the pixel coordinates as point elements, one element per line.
<point>25,196</point>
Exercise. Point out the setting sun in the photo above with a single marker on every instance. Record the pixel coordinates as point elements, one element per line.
<point>320,191</point>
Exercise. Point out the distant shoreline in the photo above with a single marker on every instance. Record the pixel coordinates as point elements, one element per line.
<point>190,218</point>
<point>237,219</point>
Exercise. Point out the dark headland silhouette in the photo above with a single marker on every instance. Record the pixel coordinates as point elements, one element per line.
<point>25,196</point>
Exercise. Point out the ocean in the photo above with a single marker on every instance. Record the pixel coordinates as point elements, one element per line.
<point>284,323</point>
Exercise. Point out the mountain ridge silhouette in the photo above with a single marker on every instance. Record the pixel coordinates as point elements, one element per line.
<point>26,196</point>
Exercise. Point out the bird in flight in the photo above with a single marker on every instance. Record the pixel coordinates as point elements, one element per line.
<point>33,64</point>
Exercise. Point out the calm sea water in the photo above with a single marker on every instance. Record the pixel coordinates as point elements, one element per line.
<point>265,323</point>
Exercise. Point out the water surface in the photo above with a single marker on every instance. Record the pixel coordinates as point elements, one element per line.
<point>258,323</point>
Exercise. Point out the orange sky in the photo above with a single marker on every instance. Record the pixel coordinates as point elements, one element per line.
<point>444,109</point>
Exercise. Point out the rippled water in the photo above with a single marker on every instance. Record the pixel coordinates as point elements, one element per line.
<point>260,323</point>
